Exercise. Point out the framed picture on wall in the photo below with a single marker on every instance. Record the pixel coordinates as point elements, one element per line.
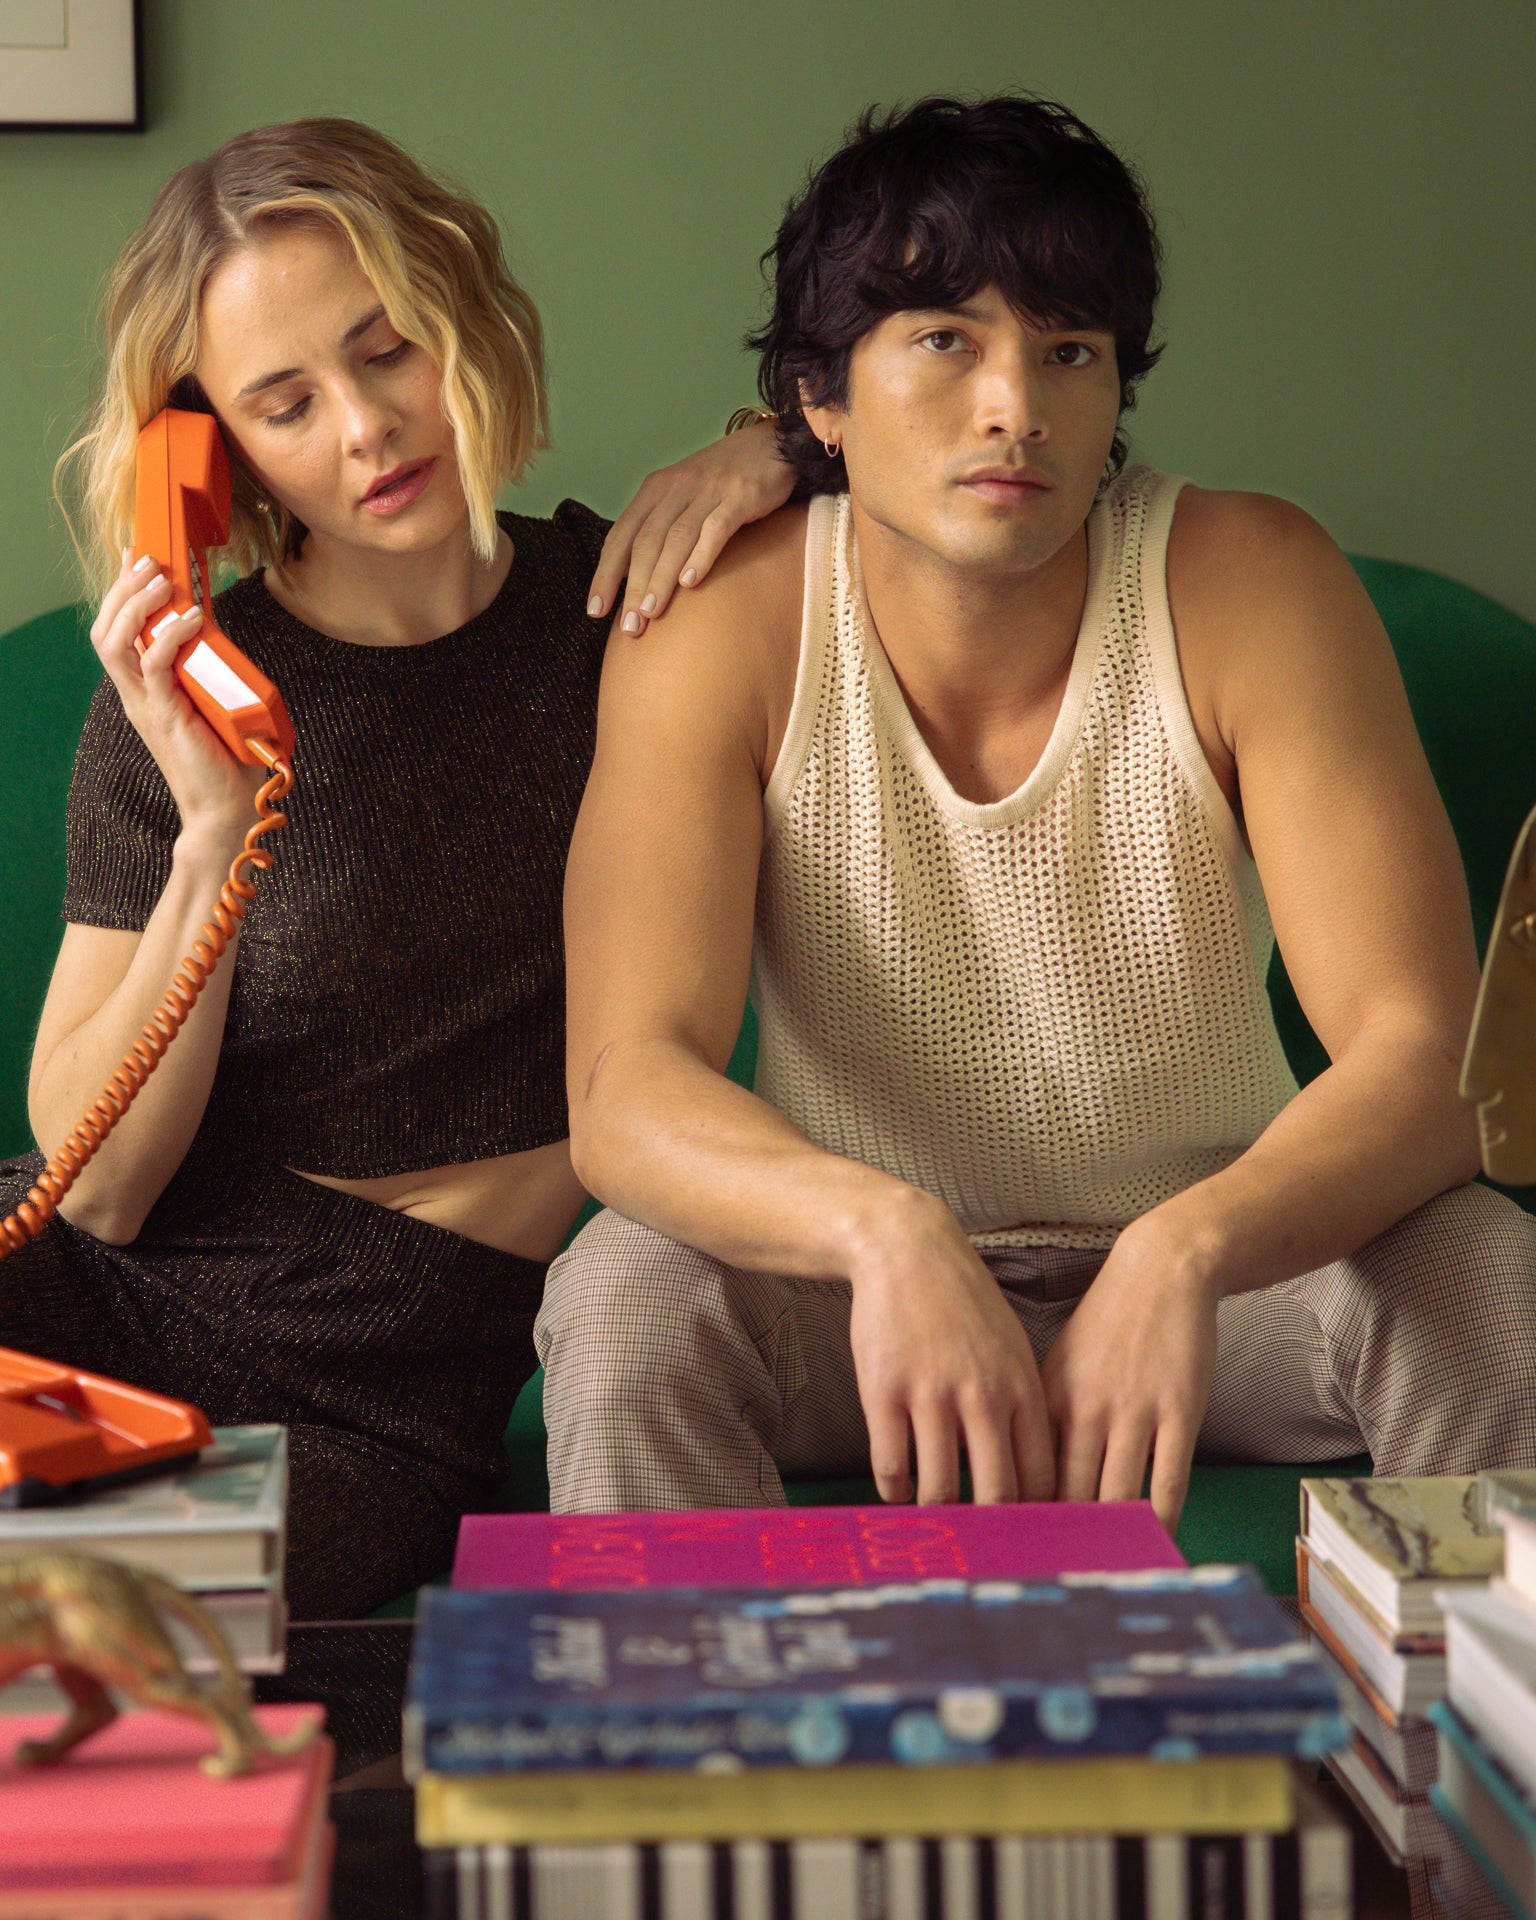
<point>69,65</point>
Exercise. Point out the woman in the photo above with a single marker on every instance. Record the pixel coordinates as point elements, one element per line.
<point>333,1203</point>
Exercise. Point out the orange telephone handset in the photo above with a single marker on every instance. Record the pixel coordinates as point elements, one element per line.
<point>181,508</point>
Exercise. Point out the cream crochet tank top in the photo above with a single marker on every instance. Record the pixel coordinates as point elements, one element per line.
<point>1050,1009</point>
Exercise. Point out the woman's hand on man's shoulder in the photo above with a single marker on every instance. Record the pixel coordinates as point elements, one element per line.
<point>680,520</point>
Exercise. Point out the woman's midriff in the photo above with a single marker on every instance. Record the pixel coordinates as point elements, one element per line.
<point>523,1203</point>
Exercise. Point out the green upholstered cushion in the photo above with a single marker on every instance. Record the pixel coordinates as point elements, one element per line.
<point>1470,670</point>
<point>1469,666</point>
<point>1468,663</point>
<point>48,672</point>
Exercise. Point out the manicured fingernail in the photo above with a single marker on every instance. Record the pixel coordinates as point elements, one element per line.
<point>187,622</point>
<point>648,604</point>
<point>689,575</point>
<point>143,564</point>
<point>595,605</point>
<point>632,623</point>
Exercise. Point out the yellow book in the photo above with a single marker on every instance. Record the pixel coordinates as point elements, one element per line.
<point>1236,1794</point>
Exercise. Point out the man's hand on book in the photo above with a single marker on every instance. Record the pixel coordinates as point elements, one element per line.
<point>942,1362</point>
<point>1130,1374</point>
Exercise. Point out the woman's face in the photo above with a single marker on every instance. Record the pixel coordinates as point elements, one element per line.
<point>335,414</point>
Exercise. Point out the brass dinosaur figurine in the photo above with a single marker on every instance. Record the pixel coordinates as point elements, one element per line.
<point>97,1624</point>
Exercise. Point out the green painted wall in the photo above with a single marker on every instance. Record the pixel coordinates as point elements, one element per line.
<point>1346,189</point>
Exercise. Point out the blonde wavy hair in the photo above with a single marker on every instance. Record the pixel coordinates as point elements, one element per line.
<point>433,256</point>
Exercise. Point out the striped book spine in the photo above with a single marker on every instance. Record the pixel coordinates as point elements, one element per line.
<point>1301,1875</point>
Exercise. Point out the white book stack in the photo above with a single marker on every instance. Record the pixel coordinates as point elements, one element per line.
<point>1373,1558</point>
<point>217,1528</point>
<point>1486,1793</point>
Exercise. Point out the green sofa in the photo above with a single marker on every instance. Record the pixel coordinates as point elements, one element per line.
<point>1470,668</point>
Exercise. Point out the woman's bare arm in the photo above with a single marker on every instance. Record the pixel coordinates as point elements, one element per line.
<point>106,983</point>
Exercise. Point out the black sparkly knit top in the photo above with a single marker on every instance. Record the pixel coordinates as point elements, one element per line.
<point>399,988</point>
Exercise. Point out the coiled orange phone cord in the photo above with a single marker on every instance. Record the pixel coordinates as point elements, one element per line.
<point>162,1026</point>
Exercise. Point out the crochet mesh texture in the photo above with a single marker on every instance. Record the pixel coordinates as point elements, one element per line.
<point>1049,1010</point>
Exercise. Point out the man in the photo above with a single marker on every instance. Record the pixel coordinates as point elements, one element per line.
<point>995,769</point>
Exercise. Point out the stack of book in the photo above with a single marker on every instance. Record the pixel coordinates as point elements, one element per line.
<point>215,1527</point>
<point>1486,1792</point>
<point>875,1714</point>
<point>130,1828</point>
<point>1372,1559</point>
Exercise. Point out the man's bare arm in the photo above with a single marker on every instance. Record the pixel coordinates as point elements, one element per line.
<point>659,900</point>
<point>1366,891</point>
<point>660,895</point>
<point>1286,659</point>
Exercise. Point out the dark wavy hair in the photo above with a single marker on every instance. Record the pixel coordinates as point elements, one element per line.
<point>926,205</point>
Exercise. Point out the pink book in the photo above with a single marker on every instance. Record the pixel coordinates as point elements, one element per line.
<point>809,1546</point>
<point>307,1898</point>
<point>131,1807</point>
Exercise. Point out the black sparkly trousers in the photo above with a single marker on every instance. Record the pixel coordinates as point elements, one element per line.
<point>392,1350</point>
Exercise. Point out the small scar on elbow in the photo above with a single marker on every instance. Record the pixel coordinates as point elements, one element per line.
<point>595,1069</point>
<point>578,1118</point>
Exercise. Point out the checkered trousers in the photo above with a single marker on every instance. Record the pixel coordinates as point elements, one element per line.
<point>673,1380</point>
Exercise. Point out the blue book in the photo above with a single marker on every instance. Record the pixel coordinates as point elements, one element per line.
<point>1169,1664</point>
<point>1486,1810</point>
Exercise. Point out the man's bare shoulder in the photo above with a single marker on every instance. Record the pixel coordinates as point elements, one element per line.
<point>726,649</point>
<point>1269,614</point>
<point>767,555</point>
<point>748,605</point>
<point>1245,569</point>
<point>1222,539</point>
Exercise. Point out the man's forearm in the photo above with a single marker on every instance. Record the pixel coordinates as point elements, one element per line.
<point>660,1136</point>
<point>1373,1137</point>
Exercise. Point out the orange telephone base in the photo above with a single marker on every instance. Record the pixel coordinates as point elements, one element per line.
<point>181,508</point>
<point>64,1432</point>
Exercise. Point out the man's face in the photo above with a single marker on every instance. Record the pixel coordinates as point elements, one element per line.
<point>976,435</point>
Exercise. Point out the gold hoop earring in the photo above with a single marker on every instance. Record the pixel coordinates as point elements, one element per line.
<point>831,449</point>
